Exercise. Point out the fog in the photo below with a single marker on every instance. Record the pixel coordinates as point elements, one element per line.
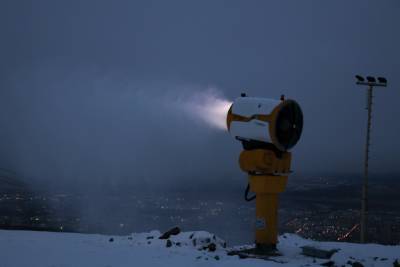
<point>112,130</point>
<point>120,92</point>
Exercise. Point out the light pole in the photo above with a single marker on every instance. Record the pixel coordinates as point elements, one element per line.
<point>370,82</point>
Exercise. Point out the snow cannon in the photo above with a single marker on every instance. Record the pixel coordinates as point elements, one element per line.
<point>278,122</point>
<point>267,129</point>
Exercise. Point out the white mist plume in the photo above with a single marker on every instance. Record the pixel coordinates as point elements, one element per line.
<point>210,107</point>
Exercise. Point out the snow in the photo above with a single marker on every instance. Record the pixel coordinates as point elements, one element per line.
<point>47,249</point>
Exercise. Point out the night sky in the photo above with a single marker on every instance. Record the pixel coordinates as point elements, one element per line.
<point>93,90</point>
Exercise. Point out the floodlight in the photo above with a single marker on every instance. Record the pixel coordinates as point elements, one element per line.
<point>382,80</point>
<point>371,83</point>
<point>360,78</point>
<point>371,79</point>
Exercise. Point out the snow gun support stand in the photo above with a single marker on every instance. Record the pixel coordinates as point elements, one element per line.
<point>268,170</point>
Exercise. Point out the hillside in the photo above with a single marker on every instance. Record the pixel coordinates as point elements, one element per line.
<point>48,249</point>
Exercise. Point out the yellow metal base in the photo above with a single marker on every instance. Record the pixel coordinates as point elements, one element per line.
<point>267,184</point>
<point>267,188</point>
<point>264,161</point>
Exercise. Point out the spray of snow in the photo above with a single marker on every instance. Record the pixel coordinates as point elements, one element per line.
<point>210,107</point>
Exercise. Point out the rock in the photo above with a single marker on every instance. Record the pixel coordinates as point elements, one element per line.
<point>328,263</point>
<point>357,264</point>
<point>212,247</point>
<point>243,256</point>
<point>169,243</point>
<point>150,237</point>
<point>173,231</point>
<point>216,257</point>
<point>205,241</point>
<point>396,263</point>
<point>317,252</point>
<point>178,244</point>
<point>231,253</point>
<point>111,240</point>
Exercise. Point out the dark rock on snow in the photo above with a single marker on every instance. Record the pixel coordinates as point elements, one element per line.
<point>357,264</point>
<point>318,252</point>
<point>328,263</point>
<point>211,247</point>
<point>173,231</point>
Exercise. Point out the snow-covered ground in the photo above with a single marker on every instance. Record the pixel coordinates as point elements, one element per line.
<point>46,249</point>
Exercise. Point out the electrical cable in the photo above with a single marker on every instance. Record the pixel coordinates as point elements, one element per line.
<point>246,194</point>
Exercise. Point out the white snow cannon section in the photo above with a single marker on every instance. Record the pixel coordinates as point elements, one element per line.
<point>254,129</point>
<point>266,120</point>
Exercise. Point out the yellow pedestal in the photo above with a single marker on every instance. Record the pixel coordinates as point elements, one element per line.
<point>267,189</point>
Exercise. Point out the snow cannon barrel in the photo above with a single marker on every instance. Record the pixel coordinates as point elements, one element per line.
<point>277,122</point>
